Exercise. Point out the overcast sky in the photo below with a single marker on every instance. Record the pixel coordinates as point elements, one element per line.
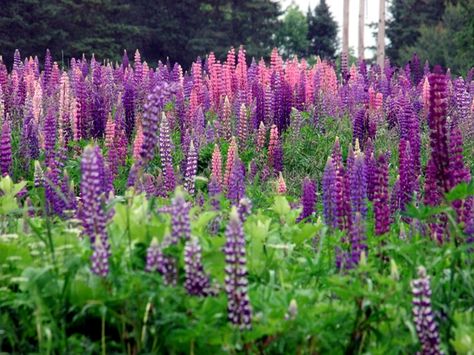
<point>371,15</point>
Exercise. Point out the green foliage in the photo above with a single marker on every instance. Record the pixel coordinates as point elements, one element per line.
<point>292,35</point>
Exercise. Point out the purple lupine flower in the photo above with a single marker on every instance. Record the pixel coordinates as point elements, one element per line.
<point>308,198</point>
<point>170,180</point>
<point>371,168</point>
<point>278,158</point>
<point>54,201</point>
<point>407,174</point>
<point>395,197</point>
<point>67,190</point>
<point>196,282</point>
<point>423,316</point>
<point>359,127</point>
<point>244,208</point>
<point>49,135</point>
<point>151,117</point>
<point>38,178</point>
<point>191,169</point>
<point>357,239</point>
<point>328,185</point>
<point>165,142</point>
<point>438,130</point>
<point>381,198</point>
<point>236,188</point>
<point>358,185</point>
<point>157,261</point>
<point>6,149</point>
<point>91,210</point>
<point>214,190</point>
<point>180,222</point>
<point>239,310</point>
<point>128,100</point>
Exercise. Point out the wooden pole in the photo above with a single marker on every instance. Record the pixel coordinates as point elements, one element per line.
<point>361,29</point>
<point>345,29</point>
<point>381,35</point>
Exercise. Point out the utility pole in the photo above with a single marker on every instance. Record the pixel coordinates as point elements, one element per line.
<point>345,29</point>
<point>361,29</point>
<point>381,35</point>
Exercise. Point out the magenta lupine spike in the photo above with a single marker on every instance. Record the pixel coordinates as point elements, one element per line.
<point>91,210</point>
<point>232,154</point>
<point>236,187</point>
<point>6,149</point>
<point>216,167</point>
<point>196,282</point>
<point>243,127</point>
<point>381,197</point>
<point>157,261</point>
<point>358,185</point>
<point>438,130</point>
<point>191,169</point>
<point>180,222</point>
<point>423,315</point>
<point>328,187</point>
<point>239,310</point>
<point>308,199</point>
<point>261,137</point>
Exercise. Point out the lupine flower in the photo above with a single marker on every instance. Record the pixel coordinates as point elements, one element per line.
<point>38,175</point>
<point>152,108</point>
<point>423,316</point>
<point>358,183</point>
<point>328,186</point>
<point>261,137</point>
<point>281,185</point>
<point>196,280</point>
<point>243,127</point>
<point>239,310</point>
<point>216,168</point>
<point>138,143</point>
<point>236,188</point>
<point>438,130</point>
<point>180,222</point>
<point>91,211</point>
<point>308,199</point>
<point>165,142</point>
<point>6,149</point>
<point>244,208</point>
<point>157,261</point>
<point>357,238</point>
<point>272,145</point>
<point>232,154</point>
<point>191,169</point>
<point>381,198</point>
<point>407,174</point>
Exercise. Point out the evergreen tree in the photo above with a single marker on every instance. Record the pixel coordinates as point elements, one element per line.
<point>322,32</point>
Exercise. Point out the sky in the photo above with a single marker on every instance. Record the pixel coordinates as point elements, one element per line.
<point>336,7</point>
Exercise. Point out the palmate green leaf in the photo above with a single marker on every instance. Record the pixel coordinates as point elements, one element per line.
<point>460,192</point>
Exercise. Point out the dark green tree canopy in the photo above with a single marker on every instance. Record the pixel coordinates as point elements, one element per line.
<point>322,32</point>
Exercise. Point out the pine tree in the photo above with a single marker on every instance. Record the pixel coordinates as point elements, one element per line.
<point>322,32</point>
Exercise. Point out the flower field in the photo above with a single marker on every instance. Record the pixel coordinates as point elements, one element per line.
<point>237,207</point>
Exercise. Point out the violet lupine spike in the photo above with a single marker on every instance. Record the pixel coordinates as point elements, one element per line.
<point>54,201</point>
<point>407,174</point>
<point>395,197</point>
<point>358,240</point>
<point>236,188</point>
<point>157,261</point>
<point>244,208</point>
<point>152,108</point>
<point>239,310</point>
<point>38,175</point>
<point>308,199</point>
<point>49,135</point>
<point>243,127</point>
<point>371,169</point>
<point>328,186</point>
<point>358,185</point>
<point>91,211</point>
<point>180,221</point>
<point>6,149</point>
<point>191,170</point>
<point>381,197</point>
<point>196,282</point>
<point>438,130</point>
<point>423,315</point>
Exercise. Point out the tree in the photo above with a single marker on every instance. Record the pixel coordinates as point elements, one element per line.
<point>292,35</point>
<point>322,32</point>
